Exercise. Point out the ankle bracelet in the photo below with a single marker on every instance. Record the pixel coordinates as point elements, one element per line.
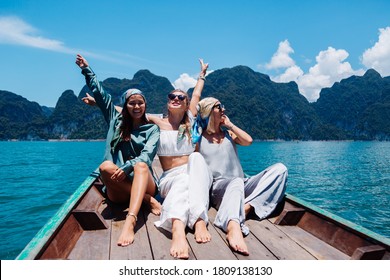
<point>133,215</point>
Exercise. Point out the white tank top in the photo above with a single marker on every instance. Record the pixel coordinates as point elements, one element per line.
<point>169,146</point>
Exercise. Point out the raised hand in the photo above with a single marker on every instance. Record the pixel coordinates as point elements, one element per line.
<point>225,121</point>
<point>81,61</point>
<point>203,67</point>
<point>89,100</point>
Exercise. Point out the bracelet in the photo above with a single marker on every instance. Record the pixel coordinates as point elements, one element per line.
<point>231,127</point>
<point>133,215</point>
<point>202,78</point>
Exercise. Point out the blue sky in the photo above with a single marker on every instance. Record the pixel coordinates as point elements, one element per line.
<point>314,43</point>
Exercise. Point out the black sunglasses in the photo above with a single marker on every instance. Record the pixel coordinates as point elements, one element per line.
<point>172,96</point>
<point>220,107</point>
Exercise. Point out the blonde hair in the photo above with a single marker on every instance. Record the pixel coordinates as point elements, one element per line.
<point>185,123</point>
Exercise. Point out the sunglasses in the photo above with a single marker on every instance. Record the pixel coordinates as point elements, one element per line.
<point>172,96</point>
<point>220,107</point>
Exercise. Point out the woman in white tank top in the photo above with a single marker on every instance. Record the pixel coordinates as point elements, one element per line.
<point>233,195</point>
<point>186,179</point>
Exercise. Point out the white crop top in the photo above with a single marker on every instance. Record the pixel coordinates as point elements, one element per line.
<point>168,145</point>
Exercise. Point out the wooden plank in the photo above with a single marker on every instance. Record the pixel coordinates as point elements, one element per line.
<point>332,234</point>
<point>374,252</point>
<point>318,248</point>
<point>64,241</point>
<point>257,251</point>
<point>160,240</point>
<point>92,200</point>
<point>216,249</point>
<point>344,224</point>
<point>277,242</point>
<point>90,219</point>
<point>92,245</point>
<point>139,250</point>
<point>290,215</point>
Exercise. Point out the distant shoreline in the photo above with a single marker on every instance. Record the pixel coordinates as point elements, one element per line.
<point>56,140</point>
<point>254,140</point>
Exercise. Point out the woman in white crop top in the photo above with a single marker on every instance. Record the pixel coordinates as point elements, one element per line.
<point>186,179</point>
<point>232,194</point>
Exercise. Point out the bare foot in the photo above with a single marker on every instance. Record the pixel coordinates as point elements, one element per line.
<point>153,204</point>
<point>235,238</point>
<point>202,235</point>
<point>179,246</point>
<point>247,208</point>
<point>127,235</point>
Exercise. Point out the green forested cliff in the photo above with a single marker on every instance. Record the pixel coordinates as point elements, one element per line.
<point>355,108</point>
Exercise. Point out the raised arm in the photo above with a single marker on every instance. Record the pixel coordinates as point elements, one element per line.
<point>102,98</point>
<point>196,94</point>
<point>238,135</point>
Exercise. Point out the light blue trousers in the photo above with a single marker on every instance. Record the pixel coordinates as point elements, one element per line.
<point>262,191</point>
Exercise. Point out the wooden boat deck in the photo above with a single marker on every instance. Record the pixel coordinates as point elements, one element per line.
<point>267,241</point>
<point>91,230</point>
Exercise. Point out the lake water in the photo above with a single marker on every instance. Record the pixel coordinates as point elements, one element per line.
<point>349,179</point>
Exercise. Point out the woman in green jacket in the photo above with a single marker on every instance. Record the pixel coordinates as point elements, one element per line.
<point>131,145</point>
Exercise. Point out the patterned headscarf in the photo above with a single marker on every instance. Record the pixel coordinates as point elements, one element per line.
<point>204,107</point>
<point>131,91</point>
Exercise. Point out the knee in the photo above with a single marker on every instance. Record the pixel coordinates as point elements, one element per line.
<point>281,168</point>
<point>195,156</point>
<point>107,166</point>
<point>141,167</point>
<point>237,184</point>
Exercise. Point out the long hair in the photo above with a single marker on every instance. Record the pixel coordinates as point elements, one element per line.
<point>127,123</point>
<point>185,121</point>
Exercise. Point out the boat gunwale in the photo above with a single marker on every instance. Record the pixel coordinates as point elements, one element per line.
<point>344,223</point>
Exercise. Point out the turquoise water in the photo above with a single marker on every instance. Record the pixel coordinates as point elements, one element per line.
<point>349,179</point>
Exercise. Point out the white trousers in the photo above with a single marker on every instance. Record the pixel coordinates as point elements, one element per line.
<point>262,191</point>
<point>185,190</point>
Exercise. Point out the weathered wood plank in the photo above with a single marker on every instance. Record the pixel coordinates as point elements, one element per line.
<point>290,215</point>
<point>216,249</point>
<point>64,241</point>
<point>139,250</point>
<point>92,199</point>
<point>92,245</point>
<point>318,248</point>
<point>277,242</point>
<point>160,240</point>
<point>257,251</point>
<point>332,234</point>
<point>373,252</point>
<point>90,219</point>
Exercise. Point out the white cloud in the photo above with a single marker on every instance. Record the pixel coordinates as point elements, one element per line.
<point>378,57</point>
<point>292,73</point>
<point>281,59</point>
<point>330,67</point>
<point>15,31</point>
<point>185,81</point>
